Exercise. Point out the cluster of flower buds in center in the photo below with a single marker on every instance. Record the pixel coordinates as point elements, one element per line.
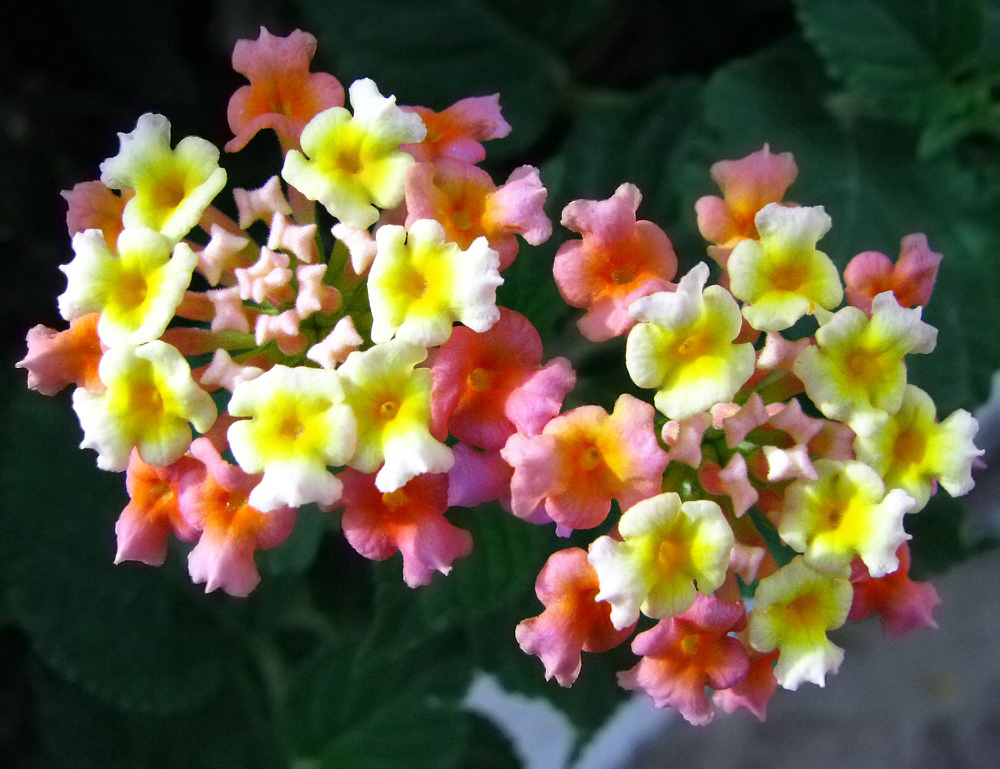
<point>771,509</point>
<point>313,346</point>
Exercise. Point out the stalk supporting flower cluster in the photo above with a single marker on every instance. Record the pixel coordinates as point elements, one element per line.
<point>339,342</point>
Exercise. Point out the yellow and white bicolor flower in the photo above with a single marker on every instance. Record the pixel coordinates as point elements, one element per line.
<point>173,187</point>
<point>793,610</point>
<point>150,403</point>
<point>391,400</point>
<point>683,346</point>
<point>855,372</point>
<point>667,548</point>
<point>420,284</point>
<point>136,291</point>
<point>912,450</point>
<point>298,426</point>
<point>782,276</point>
<point>351,164</point>
<point>844,513</point>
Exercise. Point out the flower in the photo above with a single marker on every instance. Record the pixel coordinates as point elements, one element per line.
<point>855,372</point>
<point>582,460</point>
<point>617,261</point>
<point>149,403</point>
<point>59,358</point>
<point>409,520</point>
<point>299,425</point>
<point>391,399</point>
<point>913,452</point>
<point>351,164</point>
<point>419,284</point>
<point>782,276</point>
<point>685,653</point>
<point>911,278</point>
<point>845,512</point>
<point>573,621</point>
<point>793,610</point>
<point>684,346</point>
<point>283,94</point>
<point>136,290</point>
<point>669,552</point>
<point>902,604</point>
<point>173,187</point>
<point>457,132</point>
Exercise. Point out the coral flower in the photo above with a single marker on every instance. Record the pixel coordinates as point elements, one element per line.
<point>617,261</point>
<point>783,276</point>
<point>669,552</point>
<point>747,186</point>
<point>352,163</point>
<point>458,131</point>
<point>94,206</point>
<point>283,94</point>
<point>684,346</point>
<point>149,403</point>
<point>136,290</point>
<point>59,358</point>
<point>911,278</point>
<point>573,621</point>
<point>582,460</point>
<point>902,604</point>
<point>914,452</point>
<point>216,502</point>
<point>409,520</point>
<point>684,654</point>
<point>173,187</point>
<point>464,199</point>
<point>489,386</point>
<point>299,424</point>
<point>793,610</point>
<point>154,510</point>
<point>855,373</point>
<point>420,284</point>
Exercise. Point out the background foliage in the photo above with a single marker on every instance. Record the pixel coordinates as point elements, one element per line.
<point>892,108</point>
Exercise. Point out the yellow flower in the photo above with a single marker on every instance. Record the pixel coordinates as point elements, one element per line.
<point>783,276</point>
<point>299,424</point>
<point>667,549</point>
<point>855,373</point>
<point>353,162</point>
<point>912,450</point>
<point>148,404</point>
<point>683,346</point>
<point>843,513</point>
<point>173,187</point>
<point>793,610</point>
<point>136,291</point>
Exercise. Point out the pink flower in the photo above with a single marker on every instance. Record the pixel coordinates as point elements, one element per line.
<point>585,458</point>
<point>93,205</point>
<point>464,199</point>
<point>902,604</point>
<point>488,386</point>
<point>283,94</point>
<point>154,510</point>
<point>59,358</point>
<point>572,621</point>
<point>215,502</point>
<point>618,260</point>
<point>684,654</point>
<point>911,278</point>
<point>409,520</point>
<point>458,132</point>
<point>755,689</point>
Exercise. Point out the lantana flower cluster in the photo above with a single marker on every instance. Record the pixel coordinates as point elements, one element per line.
<point>338,343</point>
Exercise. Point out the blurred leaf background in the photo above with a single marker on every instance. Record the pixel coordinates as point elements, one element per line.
<point>892,109</point>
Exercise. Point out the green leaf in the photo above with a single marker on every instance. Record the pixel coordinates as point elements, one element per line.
<point>128,635</point>
<point>898,56</point>
<point>435,52</point>
<point>559,23</point>
<point>487,747</point>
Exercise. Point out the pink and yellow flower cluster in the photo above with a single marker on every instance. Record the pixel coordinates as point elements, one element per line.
<point>337,342</point>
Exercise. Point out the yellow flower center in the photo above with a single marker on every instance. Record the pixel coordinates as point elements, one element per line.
<point>169,192</point>
<point>788,277</point>
<point>480,379</point>
<point>590,458</point>
<point>909,446</point>
<point>131,289</point>
<point>690,644</point>
<point>623,276</point>
<point>804,612</point>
